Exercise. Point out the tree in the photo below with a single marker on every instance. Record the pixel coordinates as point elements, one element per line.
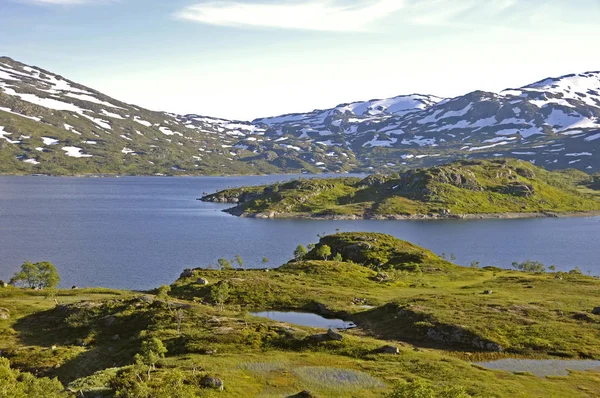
<point>151,351</point>
<point>224,264</point>
<point>15,384</point>
<point>239,261</point>
<point>452,257</point>
<point>37,276</point>
<point>265,260</point>
<point>552,268</point>
<point>300,252</point>
<point>474,264</point>
<point>529,266</point>
<point>338,258</point>
<point>323,251</point>
<point>219,293</point>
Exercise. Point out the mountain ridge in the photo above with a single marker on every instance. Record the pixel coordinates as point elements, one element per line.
<point>52,125</point>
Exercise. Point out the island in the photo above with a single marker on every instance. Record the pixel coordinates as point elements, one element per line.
<point>499,188</point>
<point>416,325</point>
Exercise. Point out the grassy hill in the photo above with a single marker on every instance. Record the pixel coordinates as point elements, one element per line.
<point>452,190</point>
<point>438,318</point>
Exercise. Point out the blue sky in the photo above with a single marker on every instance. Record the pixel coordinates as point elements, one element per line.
<point>244,59</point>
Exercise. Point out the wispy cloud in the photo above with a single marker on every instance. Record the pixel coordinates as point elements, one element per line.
<point>324,15</point>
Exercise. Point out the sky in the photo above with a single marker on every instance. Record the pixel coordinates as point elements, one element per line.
<point>244,59</point>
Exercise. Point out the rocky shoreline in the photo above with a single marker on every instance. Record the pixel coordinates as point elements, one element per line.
<point>308,216</point>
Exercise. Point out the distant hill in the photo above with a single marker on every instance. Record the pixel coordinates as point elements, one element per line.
<point>51,125</point>
<point>495,188</point>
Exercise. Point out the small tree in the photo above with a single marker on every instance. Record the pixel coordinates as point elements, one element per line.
<point>265,260</point>
<point>151,351</point>
<point>529,266</point>
<point>224,264</point>
<point>338,258</point>
<point>239,261</point>
<point>474,264</point>
<point>300,252</point>
<point>452,257</point>
<point>37,276</point>
<point>219,294</point>
<point>552,268</point>
<point>323,251</point>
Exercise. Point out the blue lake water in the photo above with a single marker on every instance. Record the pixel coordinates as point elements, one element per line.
<point>141,232</point>
<point>305,319</point>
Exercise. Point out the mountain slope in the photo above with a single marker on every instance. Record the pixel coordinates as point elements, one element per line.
<point>456,190</point>
<point>51,125</point>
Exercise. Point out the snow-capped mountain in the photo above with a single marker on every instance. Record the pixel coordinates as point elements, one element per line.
<point>49,124</point>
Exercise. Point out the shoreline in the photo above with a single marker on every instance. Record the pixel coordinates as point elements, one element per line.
<point>432,217</point>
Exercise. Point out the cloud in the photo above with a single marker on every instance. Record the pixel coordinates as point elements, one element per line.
<point>324,15</point>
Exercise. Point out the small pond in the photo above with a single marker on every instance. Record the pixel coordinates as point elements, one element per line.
<point>541,367</point>
<point>305,319</point>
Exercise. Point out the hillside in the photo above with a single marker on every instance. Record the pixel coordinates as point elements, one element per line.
<point>496,188</point>
<point>417,329</point>
<point>51,125</point>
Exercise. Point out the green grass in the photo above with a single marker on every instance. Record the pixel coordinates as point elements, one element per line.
<point>419,310</point>
<point>459,188</point>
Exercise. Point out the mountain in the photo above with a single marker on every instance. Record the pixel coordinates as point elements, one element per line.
<point>482,188</point>
<point>51,125</point>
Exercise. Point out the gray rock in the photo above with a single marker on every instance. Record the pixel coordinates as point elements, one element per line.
<point>186,273</point>
<point>333,335</point>
<point>596,311</point>
<point>202,281</point>
<point>488,291</point>
<point>212,382</point>
<point>4,314</point>
<point>116,337</point>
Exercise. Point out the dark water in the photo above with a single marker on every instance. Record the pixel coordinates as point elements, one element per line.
<point>305,319</point>
<point>140,232</point>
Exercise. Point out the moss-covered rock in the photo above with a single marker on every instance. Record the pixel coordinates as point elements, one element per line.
<point>375,250</point>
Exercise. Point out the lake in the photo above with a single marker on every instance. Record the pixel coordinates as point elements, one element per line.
<point>141,232</point>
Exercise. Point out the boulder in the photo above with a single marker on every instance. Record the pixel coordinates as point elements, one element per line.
<point>4,314</point>
<point>303,394</point>
<point>212,382</point>
<point>202,281</point>
<point>3,284</point>
<point>186,273</point>
<point>74,287</point>
<point>596,311</point>
<point>116,337</point>
<point>333,335</point>
<point>488,291</point>
<point>388,349</point>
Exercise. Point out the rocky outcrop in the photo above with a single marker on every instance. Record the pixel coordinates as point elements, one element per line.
<point>4,314</point>
<point>456,335</point>
<point>333,335</point>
